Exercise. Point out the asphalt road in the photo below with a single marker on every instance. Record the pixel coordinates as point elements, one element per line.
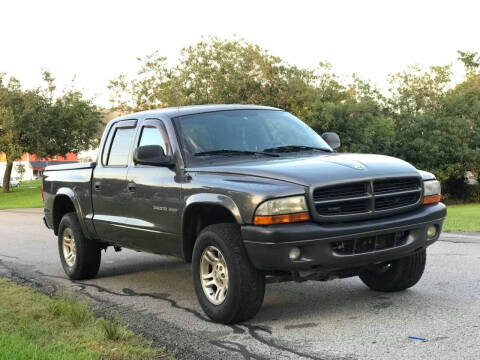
<point>340,319</point>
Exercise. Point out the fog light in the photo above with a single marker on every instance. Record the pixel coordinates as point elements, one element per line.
<point>294,253</point>
<point>431,231</point>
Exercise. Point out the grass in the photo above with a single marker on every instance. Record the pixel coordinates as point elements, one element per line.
<point>35,326</point>
<point>27,195</point>
<point>462,218</point>
<point>112,329</point>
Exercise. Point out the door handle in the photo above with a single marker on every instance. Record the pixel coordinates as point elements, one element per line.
<point>131,187</point>
<point>97,185</point>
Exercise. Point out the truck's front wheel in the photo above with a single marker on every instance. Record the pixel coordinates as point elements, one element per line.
<point>80,256</point>
<point>228,287</point>
<point>396,275</point>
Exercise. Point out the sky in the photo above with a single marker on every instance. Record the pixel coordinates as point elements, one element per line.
<point>94,41</point>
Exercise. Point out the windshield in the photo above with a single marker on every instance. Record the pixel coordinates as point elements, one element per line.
<point>245,131</point>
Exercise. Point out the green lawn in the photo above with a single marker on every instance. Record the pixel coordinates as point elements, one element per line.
<point>462,218</point>
<point>27,195</point>
<point>35,326</point>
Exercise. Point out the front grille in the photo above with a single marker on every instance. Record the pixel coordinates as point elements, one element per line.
<point>392,202</point>
<point>340,191</point>
<point>393,185</point>
<point>366,197</point>
<point>369,244</point>
<point>347,207</point>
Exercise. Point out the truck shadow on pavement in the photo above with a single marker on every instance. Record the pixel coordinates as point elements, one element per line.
<point>283,301</point>
<point>124,266</point>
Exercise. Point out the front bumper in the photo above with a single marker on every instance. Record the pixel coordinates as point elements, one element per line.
<point>268,246</point>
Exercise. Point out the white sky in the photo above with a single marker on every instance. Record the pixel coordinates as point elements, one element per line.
<point>97,40</point>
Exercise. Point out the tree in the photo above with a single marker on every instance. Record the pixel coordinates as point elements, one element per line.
<point>20,113</point>
<point>461,106</point>
<point>471,61</point>
<point>437,126</point>
<point>215,71</point>
<point>21,170</point>
<point>33,121</point>
<point>7,143</point>
<point>415,91</point>
<point>357,112</point>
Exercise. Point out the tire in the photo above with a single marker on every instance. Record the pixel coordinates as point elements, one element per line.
<point>86,262</point>
<point>246,285</point>
<point>397,275</point>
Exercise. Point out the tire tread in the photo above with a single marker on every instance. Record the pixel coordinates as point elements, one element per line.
<point>251,282</point>
<point>88,252</point>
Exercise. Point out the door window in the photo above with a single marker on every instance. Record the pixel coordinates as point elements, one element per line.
<point>122,139</point>
<point>155,135</point>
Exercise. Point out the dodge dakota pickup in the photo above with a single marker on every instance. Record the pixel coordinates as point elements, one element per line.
<point>249,195</point>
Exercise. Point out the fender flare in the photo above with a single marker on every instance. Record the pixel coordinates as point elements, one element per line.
<point>64,191</point>
<point>214,199</point>
<point>208,199</point>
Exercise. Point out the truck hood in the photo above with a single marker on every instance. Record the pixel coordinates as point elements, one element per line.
<point>321,169</point>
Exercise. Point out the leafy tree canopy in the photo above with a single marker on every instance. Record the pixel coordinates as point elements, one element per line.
<point>34,121</point>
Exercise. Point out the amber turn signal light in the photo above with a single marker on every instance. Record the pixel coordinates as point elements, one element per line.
<point>432,199</point>
<point>281,219</point>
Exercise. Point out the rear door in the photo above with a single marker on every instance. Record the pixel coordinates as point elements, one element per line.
<point>110,195</point>
<point>154,196</point>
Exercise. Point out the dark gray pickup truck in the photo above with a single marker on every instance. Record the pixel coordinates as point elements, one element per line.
<point>249,195</point>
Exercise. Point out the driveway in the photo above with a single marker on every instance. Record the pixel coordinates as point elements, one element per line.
<point>340,319</point>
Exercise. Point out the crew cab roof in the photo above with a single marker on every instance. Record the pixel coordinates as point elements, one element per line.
<point>195,109</point>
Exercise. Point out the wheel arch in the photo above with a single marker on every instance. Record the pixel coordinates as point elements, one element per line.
<point>202,210</point>
<point>66,201</point>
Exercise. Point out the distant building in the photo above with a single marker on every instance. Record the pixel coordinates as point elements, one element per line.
<point>33,165</point>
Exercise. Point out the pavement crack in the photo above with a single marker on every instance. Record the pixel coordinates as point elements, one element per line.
<point>129,292</point>
<point>9,257</point>
<point>83,285</point>
<point>237,348</point>
<point>461,242</point>
<point>173,303</point>
<point>253,331</point>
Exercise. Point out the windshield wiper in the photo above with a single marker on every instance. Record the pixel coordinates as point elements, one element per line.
<point>292,148</point>
<point>233,152</point>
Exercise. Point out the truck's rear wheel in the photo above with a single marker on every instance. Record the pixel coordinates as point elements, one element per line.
<point>228,287</point>
<point>396,275</point>
<point>80,256</point>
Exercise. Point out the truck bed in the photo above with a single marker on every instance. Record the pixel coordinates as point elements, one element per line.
<point>73,166</point>
<point>75,182</point>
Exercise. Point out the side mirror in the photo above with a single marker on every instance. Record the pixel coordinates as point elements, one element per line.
<point>332,139</point>
<point>151,155</point>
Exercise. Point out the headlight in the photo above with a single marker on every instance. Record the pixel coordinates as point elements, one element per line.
<point>431,192</point>
<point>280,211</point>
